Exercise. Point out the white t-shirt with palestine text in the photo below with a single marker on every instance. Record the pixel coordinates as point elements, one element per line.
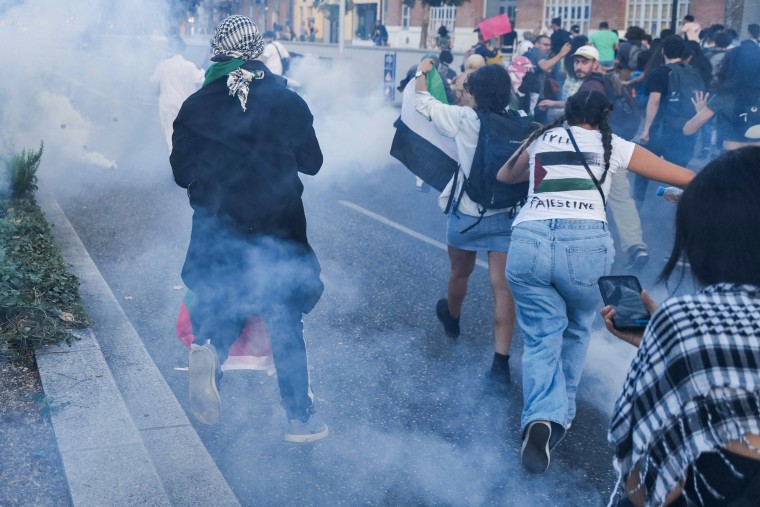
<point>560,187</point>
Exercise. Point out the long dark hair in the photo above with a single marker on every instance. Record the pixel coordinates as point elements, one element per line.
<point>491,87</point>
<point>589,107</point>
<point>717,221</point>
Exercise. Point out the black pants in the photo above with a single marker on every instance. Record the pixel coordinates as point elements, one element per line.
<point>221,319</point>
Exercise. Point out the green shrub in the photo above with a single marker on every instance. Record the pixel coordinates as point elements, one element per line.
<point>22,172</point>
<point>39,299</point>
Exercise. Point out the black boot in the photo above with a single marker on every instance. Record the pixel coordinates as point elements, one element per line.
<point>499,377</point>
<point>450,324</point>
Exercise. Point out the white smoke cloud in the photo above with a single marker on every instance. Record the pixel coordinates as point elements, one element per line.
<point>63,61</point>
<point>354,125</point>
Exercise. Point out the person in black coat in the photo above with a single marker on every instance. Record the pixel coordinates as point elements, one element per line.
<point>238,145</point>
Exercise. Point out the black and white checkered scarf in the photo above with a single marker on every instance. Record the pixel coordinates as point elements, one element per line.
<point>693,386</point>
<point>238,37</point>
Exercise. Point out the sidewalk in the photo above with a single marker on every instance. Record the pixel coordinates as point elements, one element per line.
<point>123,437</point>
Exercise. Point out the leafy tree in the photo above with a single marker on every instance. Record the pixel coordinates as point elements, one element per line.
<point>426,5</point>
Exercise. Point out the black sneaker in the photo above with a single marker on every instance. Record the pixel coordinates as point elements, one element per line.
<point>450,324</point>
<point>637,258</point>
<point>535,447</point>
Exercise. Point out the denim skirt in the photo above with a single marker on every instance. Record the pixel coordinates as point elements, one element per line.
<point>492,234</point>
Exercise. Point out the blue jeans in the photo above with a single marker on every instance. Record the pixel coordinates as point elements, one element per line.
<point>552,268</point>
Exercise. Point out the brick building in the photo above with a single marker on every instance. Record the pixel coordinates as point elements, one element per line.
<point>652,15</point>
<point>404,23</point>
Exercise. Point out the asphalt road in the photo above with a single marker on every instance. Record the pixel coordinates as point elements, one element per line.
<point>410,419</point>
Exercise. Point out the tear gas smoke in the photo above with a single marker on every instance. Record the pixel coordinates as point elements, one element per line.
<point>80,83</point>
<point>66,57</point>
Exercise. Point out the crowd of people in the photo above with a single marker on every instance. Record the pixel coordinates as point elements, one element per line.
<point>686,428</point>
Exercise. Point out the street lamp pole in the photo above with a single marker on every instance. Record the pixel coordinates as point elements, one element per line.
<point>674,16</point>
<point>341,19</point>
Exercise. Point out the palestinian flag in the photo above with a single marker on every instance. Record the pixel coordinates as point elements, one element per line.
<point>418,145</point>
<point>556,171</point>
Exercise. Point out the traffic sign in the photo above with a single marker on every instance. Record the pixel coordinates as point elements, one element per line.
<point>389,76</point>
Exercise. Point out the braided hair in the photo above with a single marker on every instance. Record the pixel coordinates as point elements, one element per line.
<point>593,108</point>
<point>589,107</point>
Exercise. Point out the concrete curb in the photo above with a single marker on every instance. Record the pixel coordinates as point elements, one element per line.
<point>123,437</point>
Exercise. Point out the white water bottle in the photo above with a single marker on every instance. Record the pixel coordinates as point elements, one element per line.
<point>671,194</point>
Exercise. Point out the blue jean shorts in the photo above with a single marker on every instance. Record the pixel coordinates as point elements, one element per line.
<point>492,234</point>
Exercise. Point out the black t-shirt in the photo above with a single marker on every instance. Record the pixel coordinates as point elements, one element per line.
<point>657,82</point>
<point>559,38</point>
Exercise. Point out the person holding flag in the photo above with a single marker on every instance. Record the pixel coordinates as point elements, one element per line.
<point>468,229</point>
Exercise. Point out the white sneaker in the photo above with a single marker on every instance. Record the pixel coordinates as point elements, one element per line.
<point>302,432</point>
<point>204,371</point>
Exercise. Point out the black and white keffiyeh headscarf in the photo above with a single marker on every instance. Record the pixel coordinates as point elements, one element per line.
<point>238,37</point>
<point>693,387</point>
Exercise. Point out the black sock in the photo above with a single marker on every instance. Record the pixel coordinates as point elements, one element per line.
<point>500,361</point>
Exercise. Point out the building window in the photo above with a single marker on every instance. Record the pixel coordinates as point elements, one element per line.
<point>572,12</point>
<point>510,11</point>
<point>406,16</point>
<point>654,15</point>
<point>445,15</point>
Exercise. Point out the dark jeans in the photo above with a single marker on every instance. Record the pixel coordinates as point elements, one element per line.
<point>221,318</point>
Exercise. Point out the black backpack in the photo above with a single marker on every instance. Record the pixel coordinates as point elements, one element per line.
<point>631,52</point>
<point>683,82</point>
<point>499,138</point>
<point>626,113</point>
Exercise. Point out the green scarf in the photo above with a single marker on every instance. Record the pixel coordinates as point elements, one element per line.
<point>435,85</point>
<point>219,69</point>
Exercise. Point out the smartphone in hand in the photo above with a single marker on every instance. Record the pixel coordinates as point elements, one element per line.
<point>624,293</point>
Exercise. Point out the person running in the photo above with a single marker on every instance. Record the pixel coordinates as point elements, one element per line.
<point>275,56</point>
<point>736,102</point>
<point>589,73</point>
<point>240,143</point>
<point>560,246</point>
<point>658,131</point>
<point>466,231</point>
<point>176,79</point>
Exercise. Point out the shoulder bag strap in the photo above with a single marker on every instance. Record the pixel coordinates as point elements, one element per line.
<point>583,160</point>
<point>453,201</point>
<point>277,49</point>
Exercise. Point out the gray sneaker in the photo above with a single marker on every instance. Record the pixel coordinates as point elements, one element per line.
<point>204,372</point>
<point>309,431</point>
